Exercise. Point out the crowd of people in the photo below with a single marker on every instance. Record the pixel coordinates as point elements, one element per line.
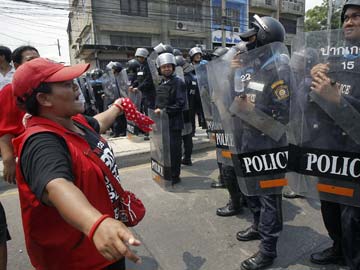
<point>269,114</point>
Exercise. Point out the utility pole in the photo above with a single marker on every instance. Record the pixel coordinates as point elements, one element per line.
<point>278,9</point>
<point>58,44</point>
<point>223,18</point>
<point>329,15</point>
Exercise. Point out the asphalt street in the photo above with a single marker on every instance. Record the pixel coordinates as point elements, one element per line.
<point>181,231</point>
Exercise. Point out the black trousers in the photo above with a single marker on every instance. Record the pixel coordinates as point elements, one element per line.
<point>343,225</point>
<point>4,233</point>
<point>119,125</point>
<point>175,152</point>
<point>188,146</point>
<point>268,220</point>
<point>230,180</point>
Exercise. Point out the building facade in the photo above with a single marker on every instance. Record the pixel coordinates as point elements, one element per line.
<point>236,21</point>
<point>290,13</point>
<point>111,30</point>
<point>100,31</point>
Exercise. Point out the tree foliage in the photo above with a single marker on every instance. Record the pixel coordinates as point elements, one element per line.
<point>316,18</point>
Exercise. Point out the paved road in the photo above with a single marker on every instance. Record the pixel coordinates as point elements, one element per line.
<point>181,230</point>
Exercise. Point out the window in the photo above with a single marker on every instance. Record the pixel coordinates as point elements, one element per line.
<point>232,16</point>
<point>289,25</point>
<point>126,39</point>
<point>134,7</point>
<point>185,42</point>
<point>186,10</point>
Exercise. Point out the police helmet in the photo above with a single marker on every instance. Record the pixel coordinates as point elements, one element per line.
<point>348,3</point>
<point>141,52</point>
<point>165,58</point>
<point>117,67</point>
<point>266,29</point>
<point>132,65</point>
<point>180,60</point>
<point>220,51</point>
<point>110,65</point>
<point>194,51</point>
<point>163,48</point>
<point>97,73</point>
<point>177,52</point>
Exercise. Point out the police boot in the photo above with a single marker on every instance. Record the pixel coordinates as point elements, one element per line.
<point>186,161</point>
<point>257,261</point>
<point>331,255</point>
<point>230,209</point>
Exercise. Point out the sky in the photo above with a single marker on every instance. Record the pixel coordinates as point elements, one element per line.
<point>35,25</point>
<point>40,26</point>
<point>309,4</point>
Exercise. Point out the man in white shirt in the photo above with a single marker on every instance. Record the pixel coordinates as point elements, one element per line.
<point>6,69</point>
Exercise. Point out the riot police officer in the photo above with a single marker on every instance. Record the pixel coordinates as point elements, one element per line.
<point>132,67</point>
<point>96,85</point>
<point>227,173</point>
<point>338,87</point>
<point>144,83</point>
<point>195,100</point>
<point>187,133</point>
<point>171,97</point>
<point>119,126</point>
<point>273,99</point>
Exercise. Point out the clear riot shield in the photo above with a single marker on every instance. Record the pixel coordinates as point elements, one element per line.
<point>215,128</point>
<point>203,84</point>
<point>135,97</point>
<point>180,73</point>
<point>254,109</point>
<point>153,69</point>
<point>187,123</point>
<point>90,108</point>
<point>326,121</point>
<point>122,84</point>
<point>160,149</point>
<point>109,88</point>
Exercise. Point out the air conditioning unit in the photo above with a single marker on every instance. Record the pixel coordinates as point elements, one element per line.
<point>181,26</point>
<point>236,29</point>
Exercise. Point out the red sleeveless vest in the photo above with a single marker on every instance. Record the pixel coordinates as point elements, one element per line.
<point>51,242</point>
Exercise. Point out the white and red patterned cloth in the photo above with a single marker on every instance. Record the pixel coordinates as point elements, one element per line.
<point>142,121</point>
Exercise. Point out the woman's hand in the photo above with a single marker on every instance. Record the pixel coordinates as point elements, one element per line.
<point>118,104</point>
<point>112,238</point>
<point>9,170</point>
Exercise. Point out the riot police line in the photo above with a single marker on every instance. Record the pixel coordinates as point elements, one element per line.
<point>278,120</point>
<point>283,129</point>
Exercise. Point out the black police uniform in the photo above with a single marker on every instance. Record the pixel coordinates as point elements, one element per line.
<point>192,90</point>
<point>89,110</point>
<point>145,84</point>
<point>227,172</point>
<point>187,139</point>
<point>98,93</point>
<point>171,97</point>
<point>120,123</point>
<point>274,101</point>
<point>341,221</point>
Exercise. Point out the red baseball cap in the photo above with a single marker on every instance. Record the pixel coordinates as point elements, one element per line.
<point>30,74</point>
